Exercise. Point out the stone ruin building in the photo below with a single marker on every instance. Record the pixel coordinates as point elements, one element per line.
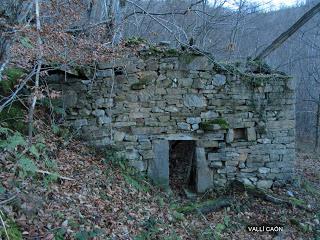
<point>235,122</point>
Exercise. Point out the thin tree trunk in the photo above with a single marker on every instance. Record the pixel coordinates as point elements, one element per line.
<point>284,36</point>
<point>39,62</point>
<point>316,146</point>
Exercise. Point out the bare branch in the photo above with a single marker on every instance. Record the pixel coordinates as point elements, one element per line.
<point>284,36</point>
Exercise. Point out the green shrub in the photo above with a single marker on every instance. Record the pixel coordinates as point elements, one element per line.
<point>13,117</point>
<point>12,75</point>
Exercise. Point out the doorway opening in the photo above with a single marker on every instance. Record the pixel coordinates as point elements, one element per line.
<point>182,166</point>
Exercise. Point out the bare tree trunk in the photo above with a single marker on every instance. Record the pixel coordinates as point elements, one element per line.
<point>5,43</point>
<point>108,12</point>
<point>316,147</point>
<point>39,63</point>
<point>11,12</point>
<point>284,36</point>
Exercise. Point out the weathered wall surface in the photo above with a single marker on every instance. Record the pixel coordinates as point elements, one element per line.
<point>243,123</point>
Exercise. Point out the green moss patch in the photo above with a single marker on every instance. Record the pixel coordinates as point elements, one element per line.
<point>214,124</point>
<point>134,41</point>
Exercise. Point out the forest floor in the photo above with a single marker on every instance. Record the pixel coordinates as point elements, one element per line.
<point>106,199</point>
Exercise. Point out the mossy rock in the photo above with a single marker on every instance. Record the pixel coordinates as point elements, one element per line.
<point>12,76</point>
<point>214,124</point>
<point>138,86</point>
<point>13,118</point>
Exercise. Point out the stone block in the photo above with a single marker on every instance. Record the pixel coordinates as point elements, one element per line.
<point>219,80</point>
<point>209,115</point>
<point>264,184</point>
<point>98,113</point>
<point>118,136</point>
<point>104,73</point>
<point>159,166</point>
<point>204,175</point>
<point>230,136</point>
<point>184,126</point>
<point>264,170</point>
<point>186,82</point>
<point>194,100</point>
<point>251,134</point>
<point>104,120</point>
<point>193,120</point>
<point>80,123</point>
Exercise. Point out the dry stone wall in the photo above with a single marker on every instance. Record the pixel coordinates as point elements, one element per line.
<point>243,123</point>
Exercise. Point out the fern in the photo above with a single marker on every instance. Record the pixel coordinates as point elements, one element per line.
<point>34,151</point>
<point>27,166</point>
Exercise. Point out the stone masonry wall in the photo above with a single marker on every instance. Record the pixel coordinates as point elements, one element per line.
<point>243,122</point>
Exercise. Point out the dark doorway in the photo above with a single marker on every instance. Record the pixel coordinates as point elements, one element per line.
<point>182,166</point>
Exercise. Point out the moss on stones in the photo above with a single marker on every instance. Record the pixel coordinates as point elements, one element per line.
<point>133,41</point>
<point>214,124</point>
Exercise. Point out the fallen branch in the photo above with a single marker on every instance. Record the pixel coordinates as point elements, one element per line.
<point>260,193</point>
<point>55,174</point>
<point>207,206</point>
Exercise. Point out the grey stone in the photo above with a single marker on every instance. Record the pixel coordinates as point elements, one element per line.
<point>194,100</point>
<point>186,82</point>
<point>159,166</point>
<point>70,98</point>
<point>264,183</point>
<point>80,123</point>
<point>264,141</point>
<point>104,120</point>
<point>194,127</point>
<point>251,134</point>
<point>118,136</point>
<point>199,83</point>
<point>171,109</point>
<point>219,80</point>
<point>193,120</point>
<point>216,164</point>
<point>264,170</point>
<point>204,176</point>
<point>209,115</point>
<point>104,73</point>
<point>230,136</point>
<point>98,112</point>
<point>184,126</point>
<point>132,154</point>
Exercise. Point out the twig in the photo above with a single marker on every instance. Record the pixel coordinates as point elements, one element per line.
<point>54,174</point>
<point>14,94</point>
<point>8,200</point>
<point>4,225</point>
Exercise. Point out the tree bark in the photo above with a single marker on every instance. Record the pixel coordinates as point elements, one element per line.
<point>284,36</point>
<point>39,63</point>
<point>316,147</point>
